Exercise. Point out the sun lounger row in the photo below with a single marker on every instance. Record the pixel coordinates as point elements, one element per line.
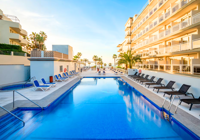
<point>45,86</point>
<point>103,72</point>
<point>117,71</point>
<point>157,85</point>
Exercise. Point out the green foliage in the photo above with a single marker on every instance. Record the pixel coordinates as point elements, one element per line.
<point>16,48</point>
<point>119,67</point>
<point>7,48</point>
<point>128,58</point>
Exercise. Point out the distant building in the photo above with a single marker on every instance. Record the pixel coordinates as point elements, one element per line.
<point>11,31</point>
<point>66,49</point>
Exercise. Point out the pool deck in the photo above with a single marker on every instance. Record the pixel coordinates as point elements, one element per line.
<point>190,119</point>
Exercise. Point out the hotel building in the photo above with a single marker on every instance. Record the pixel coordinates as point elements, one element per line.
<point>166,34</point>
<point>11,31</point>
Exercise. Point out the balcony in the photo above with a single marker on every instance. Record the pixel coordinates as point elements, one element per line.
<point>160,3</point>
<point>18,38</point>
<point>163,17</point>
<point>195,19</point>
<point>120,50</point>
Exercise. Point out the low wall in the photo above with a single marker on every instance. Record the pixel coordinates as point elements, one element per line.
<point>179,79</point>
<point>13,73</point>
<point>10,60</point>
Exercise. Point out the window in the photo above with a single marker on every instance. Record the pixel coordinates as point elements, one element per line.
<point>61,68</point>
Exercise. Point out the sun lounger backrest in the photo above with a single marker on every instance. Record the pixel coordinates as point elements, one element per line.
<point>146,77</point>
<point>184,88</point>
<point>136,73</point>
<point>36,83</point>
<point>43,81</point>
<point>159,81</point>
<point>56,76</point>
<point>139,74</point>
<point>64,74</point>
<point>142,75</point>
<point>170,84</point>
<point>59,75</point>
<point>152,77</point>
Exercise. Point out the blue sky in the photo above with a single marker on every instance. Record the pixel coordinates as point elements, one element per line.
<point>92,27</point>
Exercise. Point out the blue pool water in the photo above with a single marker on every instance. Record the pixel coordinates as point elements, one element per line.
<point>16,87</point>
<point>101,108</point>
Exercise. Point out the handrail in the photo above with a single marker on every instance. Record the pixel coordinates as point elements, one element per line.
<point>29,80</point>
<point>13,115</point>
<point>24,97</point>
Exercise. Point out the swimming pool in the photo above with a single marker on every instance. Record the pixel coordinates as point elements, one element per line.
<point>16,87</point>
<point>101,108</point>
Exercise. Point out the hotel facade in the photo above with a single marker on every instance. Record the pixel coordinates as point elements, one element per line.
<point>11,31</point>
<point>166,34</point>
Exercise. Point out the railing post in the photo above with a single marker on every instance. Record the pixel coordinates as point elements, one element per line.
<point>13,99</point>
<point>25,54</point>
<point>11,53</point>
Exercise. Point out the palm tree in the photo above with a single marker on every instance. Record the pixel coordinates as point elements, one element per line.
<point>114,57</point>
<point>43,35</point>
<point>95,59</point>
<point>105,64</point>
<point>75,57</point>
<point>85,60</point>
<point>128,58</point>
<point>33,39</point>
<point>110,64</point>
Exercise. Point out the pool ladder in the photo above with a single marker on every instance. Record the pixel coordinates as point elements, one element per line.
<point>167,116</point>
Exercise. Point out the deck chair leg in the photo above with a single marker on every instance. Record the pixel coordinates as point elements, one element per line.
<point>157,90</point>
<point>191,106</point>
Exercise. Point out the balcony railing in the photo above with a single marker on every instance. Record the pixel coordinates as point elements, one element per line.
<point>12,18</point>
<point>49,54</point>
<point>164,16</point>
<point>173,29</point>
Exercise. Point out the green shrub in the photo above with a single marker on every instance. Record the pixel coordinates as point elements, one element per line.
<point>9,47</point>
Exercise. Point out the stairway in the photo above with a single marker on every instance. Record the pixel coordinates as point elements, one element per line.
<point>9,124</point>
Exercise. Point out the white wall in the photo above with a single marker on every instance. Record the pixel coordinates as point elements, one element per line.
<point>13,73</point>
<point>57,65</point>
<point>42,69</point>
<point>179,79</point>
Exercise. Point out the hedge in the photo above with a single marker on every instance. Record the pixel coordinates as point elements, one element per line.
<point>9,47</point>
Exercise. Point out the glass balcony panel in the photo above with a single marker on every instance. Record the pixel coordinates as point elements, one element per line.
<point>196,43</point>
<point>196,18</point>
<point>168,49</point>
<point>167,32</point>
<point>160,3</point>
<point>161,18</point>
<point>151,26</point>
<point>185,23</point>
<point>176,27</point>
<point>167,14</point>
<point>185,46</point>
<point>175,48</point>
<point>183,3</point>
<point>162,34</point>
<point>155,23</point>
<point>175,8</point>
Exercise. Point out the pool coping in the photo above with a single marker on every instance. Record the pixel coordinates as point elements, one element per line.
<point>21,104</point>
